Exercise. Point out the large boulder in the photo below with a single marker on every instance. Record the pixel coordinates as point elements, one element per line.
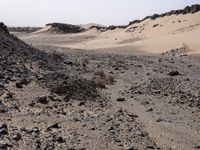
<point>3,28</point>
<point>194,8</point>
<point>186,10</point>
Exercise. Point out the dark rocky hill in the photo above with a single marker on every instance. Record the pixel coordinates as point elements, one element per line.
<point>64,28</point>
<point>19,60</point>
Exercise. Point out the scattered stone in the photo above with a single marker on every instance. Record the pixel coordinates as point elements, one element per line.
<point>31,130</point>
<point>4,146</point>
<point>150,109</point>
<point>159,120</point>
<point>24,81</point>
<point>43,100</point>
<point>18,85</point>
<point>60,140</point>
<point>82,103</point>
<point>155,25</point>
<point>120,99</point>
<point>9,95</point>
<point>17,136</point>
<point>150,147</point>
<point>3,109</point>
<point>173,73</point>
<point>197,147</point>
<point>55,126</point>
<point>138,66</point>
<point>3,129</point>
<point>131,148</point>
<point>49,146</point>
<point>51,98</point>
<point>2,76</point>
<point>2,125</point>
<point>68,62</point>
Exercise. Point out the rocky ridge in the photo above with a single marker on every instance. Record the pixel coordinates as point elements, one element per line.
<point>64,28</point>
<point>188,9</point>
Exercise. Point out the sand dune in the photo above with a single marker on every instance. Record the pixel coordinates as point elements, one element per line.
<point>152,36</point>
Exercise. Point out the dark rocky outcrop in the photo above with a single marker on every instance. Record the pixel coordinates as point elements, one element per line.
<point>64,28</point>
<point>70,87</point>
<point>16,55</point>
<point>3,28</point>
<point>103,29</point>
<point>194,8</point>
<point>188,9</point>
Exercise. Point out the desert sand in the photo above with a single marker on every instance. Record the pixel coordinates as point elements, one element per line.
<point>149,36</point>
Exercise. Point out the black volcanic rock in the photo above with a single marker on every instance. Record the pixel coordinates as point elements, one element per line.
<point>155,16</point>
<point>64,28</point>
<point>3,28</point>
<point>188,9</point>
<point>98,28</point>
<point>194,8</point>
<point>16,53</point>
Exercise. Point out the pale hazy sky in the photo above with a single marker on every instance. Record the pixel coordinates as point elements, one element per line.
<point>107,12</point>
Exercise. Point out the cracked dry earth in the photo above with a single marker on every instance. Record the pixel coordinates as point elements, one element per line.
<point>50,100</point>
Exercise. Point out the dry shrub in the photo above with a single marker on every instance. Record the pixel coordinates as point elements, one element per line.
<point>77,62</point>
<point>100,73</point>
<point>119,61</point>
<point>111,79</point>
<point>101,79</point>
<point>99,82</point>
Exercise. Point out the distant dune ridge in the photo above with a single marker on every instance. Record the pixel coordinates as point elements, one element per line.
<point>24,29</point>
<point>188,9</point>
<point>69,28</point>
<point>158,34</point>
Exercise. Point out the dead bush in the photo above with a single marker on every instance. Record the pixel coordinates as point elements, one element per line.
<point>99,82</point>
<point>77,63</point>
<point>111,79</point>
<point>101,79</point>
<point>100,73</point>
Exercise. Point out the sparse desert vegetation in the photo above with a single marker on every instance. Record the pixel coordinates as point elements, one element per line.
<point>101,79</point>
